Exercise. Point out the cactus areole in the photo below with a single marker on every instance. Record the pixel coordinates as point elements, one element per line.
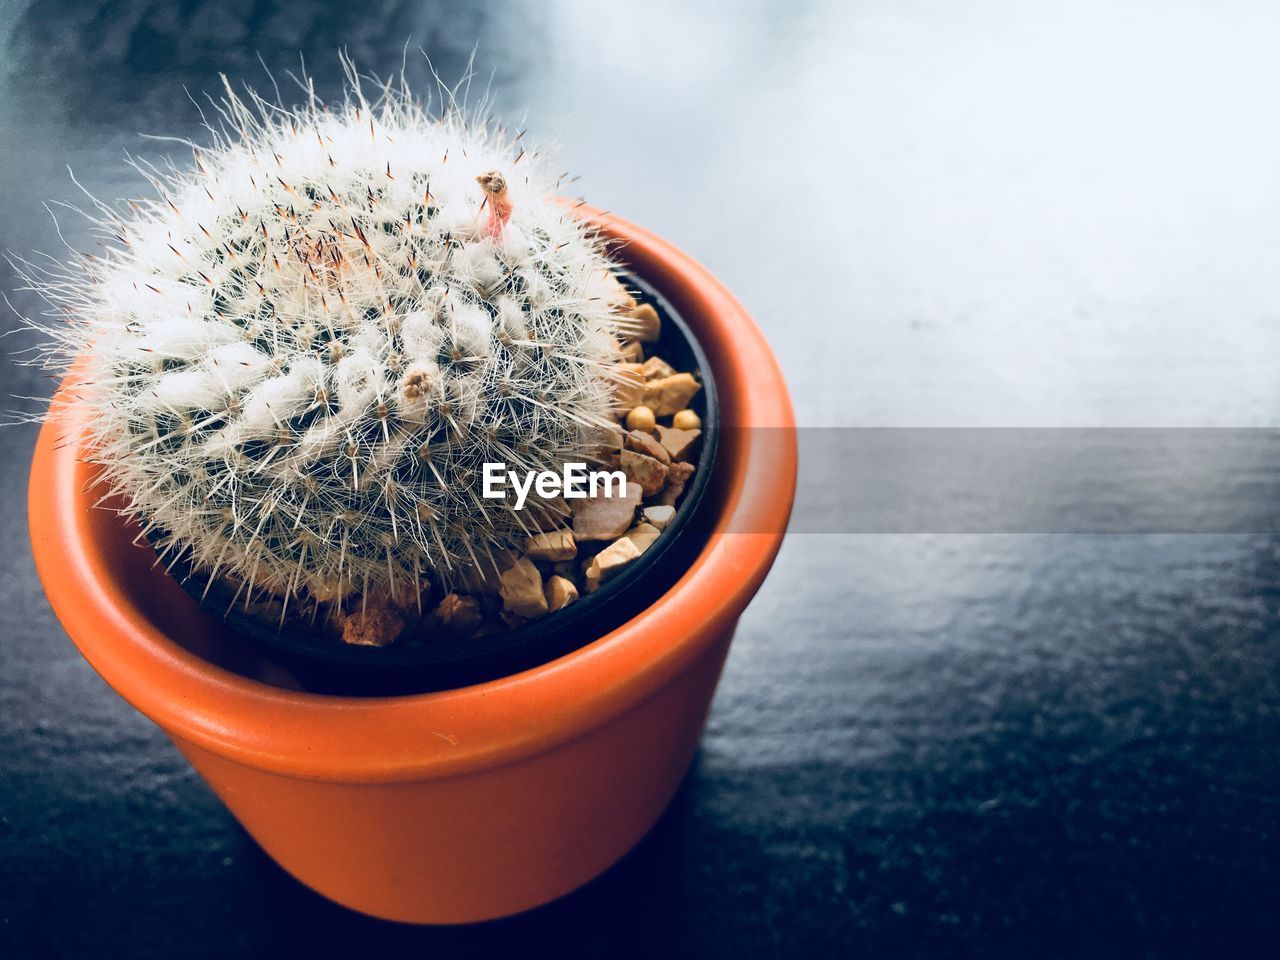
<point>304,352</point>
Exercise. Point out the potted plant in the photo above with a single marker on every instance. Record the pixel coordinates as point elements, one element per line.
<point>327,296</point>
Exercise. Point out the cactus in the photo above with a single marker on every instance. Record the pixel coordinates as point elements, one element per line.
<point>298,355</point>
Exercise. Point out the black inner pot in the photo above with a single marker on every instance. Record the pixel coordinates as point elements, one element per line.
<point>325,664</point>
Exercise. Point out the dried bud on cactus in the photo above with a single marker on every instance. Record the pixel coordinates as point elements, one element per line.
<point>299,355</point>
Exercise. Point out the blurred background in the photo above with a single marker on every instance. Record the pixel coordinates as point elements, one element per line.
<point>990,214</point>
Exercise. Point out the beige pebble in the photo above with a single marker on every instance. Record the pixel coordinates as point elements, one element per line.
<point>648,472</point>
<point>632,352</point>
<point>521,590</point>
<point>605,518</point>
<point>373,625</point>
<point>659,516</point>
<point>667,395</point>
<point>545,515</point>
<point>643,535</point>
<point>678,443</point>
<point>641,418</point>
<point>678,475</point>
<point>553,546</point>
<point>655,368</point>
<point>628,385</point>
<point>686,420</point>
<point>644,443</point>
<point>645,324</point>
<point>457,613</point>
<point>560,593</point>
<point>612,559</point>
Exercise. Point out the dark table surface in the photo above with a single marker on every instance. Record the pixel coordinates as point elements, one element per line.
<point>989,214</point>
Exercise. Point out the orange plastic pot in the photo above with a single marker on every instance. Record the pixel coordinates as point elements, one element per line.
<point>466,804</point>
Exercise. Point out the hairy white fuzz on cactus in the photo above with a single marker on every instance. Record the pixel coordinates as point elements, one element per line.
<point>299,355</point>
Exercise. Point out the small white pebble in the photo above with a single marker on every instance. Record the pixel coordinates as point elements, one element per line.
<point>560,593</point>
<point>521,590</point>
<point>643,535</point>
<point>613,558</point>
<point>659,516</point>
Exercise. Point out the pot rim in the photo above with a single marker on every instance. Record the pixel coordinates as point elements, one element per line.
<point>449,732</point>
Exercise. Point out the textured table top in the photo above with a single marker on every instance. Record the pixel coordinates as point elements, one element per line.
<point>993,214</point>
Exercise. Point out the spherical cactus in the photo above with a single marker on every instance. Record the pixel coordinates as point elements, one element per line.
<point>300,354</point>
